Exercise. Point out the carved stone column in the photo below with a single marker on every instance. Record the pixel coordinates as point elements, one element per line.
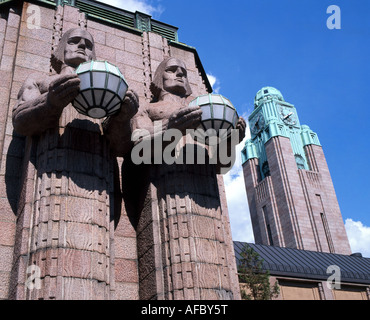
<point>71,226</point>
<point>182,243</point>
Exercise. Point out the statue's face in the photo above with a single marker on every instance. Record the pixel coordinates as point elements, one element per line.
<point>79,48</point>
<point>175,77</point>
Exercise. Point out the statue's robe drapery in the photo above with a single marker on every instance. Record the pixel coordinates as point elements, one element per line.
<point>66,211</point>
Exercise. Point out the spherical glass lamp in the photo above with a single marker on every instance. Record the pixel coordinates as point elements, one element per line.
<point>219,115</point>
<point>102,89</point>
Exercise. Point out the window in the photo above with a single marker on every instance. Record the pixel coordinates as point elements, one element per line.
<point>299,290</point>
<point>350,293</point>
<point>265,169</point>
<point>325,224</point>
<point>300,162</point>
<point>268,227</point>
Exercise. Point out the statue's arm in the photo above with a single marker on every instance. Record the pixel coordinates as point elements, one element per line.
<point>142,126</point>
<point>30,110</point>
<point>38,109</point>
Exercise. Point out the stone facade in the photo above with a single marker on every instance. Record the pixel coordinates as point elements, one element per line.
<point>61,202</point>
<point>303,289</point>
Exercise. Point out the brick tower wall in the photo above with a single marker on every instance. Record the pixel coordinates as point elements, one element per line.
<point>324,201</point>
<point>295,208</point>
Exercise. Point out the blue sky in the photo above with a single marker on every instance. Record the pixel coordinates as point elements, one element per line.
<point>246,45</point>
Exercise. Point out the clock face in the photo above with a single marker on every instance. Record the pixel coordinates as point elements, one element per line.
<point>288,116</point>
<point>257,123</point>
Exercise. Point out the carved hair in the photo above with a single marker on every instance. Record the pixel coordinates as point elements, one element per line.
<point>156,86</point>
<point>57,57</point>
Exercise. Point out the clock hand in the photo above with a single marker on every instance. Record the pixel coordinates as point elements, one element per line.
<point>288,115</point>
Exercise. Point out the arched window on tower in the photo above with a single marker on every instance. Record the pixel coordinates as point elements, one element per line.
<point>265,170</point>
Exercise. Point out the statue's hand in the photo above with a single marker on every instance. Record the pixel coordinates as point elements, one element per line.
<point>185,118</point>
<point>130,104</point>
<point>241,126</point>
<point>63,90</point>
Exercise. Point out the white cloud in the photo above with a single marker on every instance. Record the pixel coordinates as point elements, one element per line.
<point>358,236</point>
<point>241,226</point>
<point>212,79</point>
<point>144,6</point>
<point>214,82</point>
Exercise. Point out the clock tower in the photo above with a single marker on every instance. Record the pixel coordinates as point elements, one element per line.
<point>290,192</point>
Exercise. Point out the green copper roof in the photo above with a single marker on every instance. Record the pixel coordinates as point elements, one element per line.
<point>96,10</point>
<point>267,93</point>
<point>309,137</point>
<point>272,117</point>
<point>249,151</point>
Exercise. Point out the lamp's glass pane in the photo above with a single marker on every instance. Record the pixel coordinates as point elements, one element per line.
<point>216,99</point>
<point>83,67</point>
<point>107,98</point>
<point>114,109</point>
<point>202,127</point>
<point>235,120</point>
<point>228,102</point>
<point>207,124</point>
<point>229,114</point>
<point>89,97</point>
<point>99,79</point>
<point>206,112</point>
<point>78,106</point>
<point>217,124</point>
<point>203,100</point>
<point>99,65</point>
<point>113,83</point>
<point>218,111</point>
<point>97,113</point>
<point>122,89</point>
<point>226,125</point>
<point>85,80</point>
<point>81,101</point>
<point>114,102</point>
<point>98,96</point>
<point>113,69</point>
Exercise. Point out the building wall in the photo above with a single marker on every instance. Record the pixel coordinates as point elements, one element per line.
<point>295,208</point>
<point>25,50</point>
<point>305,289</point>
<point>323,201</point>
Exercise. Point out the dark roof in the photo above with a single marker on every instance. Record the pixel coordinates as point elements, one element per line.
<point>308,264</point>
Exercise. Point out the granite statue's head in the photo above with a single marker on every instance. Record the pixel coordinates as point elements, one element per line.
<point>170,77</point>
<point>75,46</point>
